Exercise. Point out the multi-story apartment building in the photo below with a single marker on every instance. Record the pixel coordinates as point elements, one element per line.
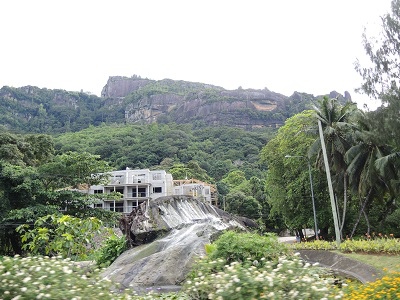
<point>138,186</point>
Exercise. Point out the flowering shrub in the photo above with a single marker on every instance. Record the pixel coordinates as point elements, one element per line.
<point>386,288</point>
<point>314,245</point>
<point>381,245</point>
<point>289,278</point>
<point>55,278</point>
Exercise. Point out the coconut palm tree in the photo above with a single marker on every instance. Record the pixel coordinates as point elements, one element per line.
<point>337,125</point>
<point>364,176</point>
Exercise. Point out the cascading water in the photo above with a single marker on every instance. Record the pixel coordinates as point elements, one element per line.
<point>186,225</point>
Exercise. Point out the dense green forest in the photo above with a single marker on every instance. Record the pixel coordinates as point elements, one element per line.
<point>35,110</point>
<point>216,150</point>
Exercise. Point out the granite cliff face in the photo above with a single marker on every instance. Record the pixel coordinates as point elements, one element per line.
<point>120,86</point>
<point>147,101</point>
<point>137,100</point>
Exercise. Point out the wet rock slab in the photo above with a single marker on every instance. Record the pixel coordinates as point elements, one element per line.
<point>169,234</point>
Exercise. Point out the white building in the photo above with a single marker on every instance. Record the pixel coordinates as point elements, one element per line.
<point>195,188</point>
<point>138,186</point>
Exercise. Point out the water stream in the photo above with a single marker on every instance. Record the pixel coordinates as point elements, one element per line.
<point>187,226</point>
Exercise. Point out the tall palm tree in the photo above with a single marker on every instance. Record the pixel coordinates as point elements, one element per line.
<point>337,125</point>
<point>364,176</point>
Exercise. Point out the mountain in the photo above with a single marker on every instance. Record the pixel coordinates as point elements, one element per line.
<point>137,100</point>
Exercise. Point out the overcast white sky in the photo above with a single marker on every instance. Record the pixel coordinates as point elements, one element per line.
<point>287,45</point>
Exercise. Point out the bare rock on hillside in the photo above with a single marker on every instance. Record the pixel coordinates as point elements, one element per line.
<point>171,232</point>
<point>121,86</point>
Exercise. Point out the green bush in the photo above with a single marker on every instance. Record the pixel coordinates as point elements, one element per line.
<point>234,246</point>
<point>61,235</point>
<point>113,247</point>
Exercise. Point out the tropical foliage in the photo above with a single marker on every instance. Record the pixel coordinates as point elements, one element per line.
<point>54,235</point>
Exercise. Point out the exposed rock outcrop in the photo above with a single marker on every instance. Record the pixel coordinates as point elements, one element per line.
<point>171,233</point>
<point>120,86</point>
<point>137,100</point>
<point>169,100</point>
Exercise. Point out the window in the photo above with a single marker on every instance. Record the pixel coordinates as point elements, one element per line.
<point>98,205</point>
<point>119,206</point>
<point>157,176</point>
<point>141,192</point>
<point>157,189</point>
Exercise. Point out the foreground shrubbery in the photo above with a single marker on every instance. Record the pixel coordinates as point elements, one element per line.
<point>53,278</point>
<point>288,278</point>
<point>40,277</point>
<point>381,245</point>
<point>386,288</point>
<point>238,266</point>
<point>250,266</point>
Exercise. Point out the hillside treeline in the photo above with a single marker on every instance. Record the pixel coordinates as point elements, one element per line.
<point>215,151</point>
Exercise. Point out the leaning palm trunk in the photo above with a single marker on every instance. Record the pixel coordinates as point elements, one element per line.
<point>360,213</point>
<point>344,204</point>
<point>367,221</point>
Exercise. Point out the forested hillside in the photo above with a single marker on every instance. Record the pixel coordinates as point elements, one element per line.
<point>34,110</point>
<point>215,150</point>
<point>143,101</point>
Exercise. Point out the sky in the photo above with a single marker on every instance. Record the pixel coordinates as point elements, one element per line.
<point>288,45</point>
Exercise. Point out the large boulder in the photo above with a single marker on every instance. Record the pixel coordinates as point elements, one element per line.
<point>169,234</point>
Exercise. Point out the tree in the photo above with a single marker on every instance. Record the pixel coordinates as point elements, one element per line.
<point>364,176</point>
<point>287,182</point>
<point>79,168</point>
<point>234,178</point>
<point>32,182</point>
<point>20,188</point>
<point>337,127</point>
<point>240,204</point>
<point>382,77</point>
<point>382,80</point>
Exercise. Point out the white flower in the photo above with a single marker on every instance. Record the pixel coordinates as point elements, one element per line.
<point>66,270</point>
<point>23,289</point>
<point>26,279</point>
